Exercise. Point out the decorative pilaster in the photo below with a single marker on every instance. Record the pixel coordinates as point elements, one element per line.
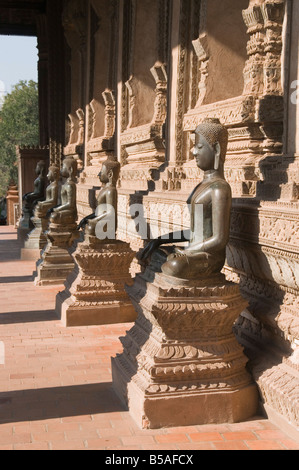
<point>271,112</point>
<point>99,147</point>
<point>253,72</point>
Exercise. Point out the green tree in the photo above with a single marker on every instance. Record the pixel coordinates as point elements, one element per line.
<point>19,125</point>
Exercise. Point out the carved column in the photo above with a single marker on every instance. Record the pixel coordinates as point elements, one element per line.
<point>271,106</point>
<point>254,68</point>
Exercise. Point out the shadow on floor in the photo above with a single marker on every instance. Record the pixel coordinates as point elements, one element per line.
<point>58,402</point>
<point>16,279</point>
<point>27,317</point>
<point>7,254</point>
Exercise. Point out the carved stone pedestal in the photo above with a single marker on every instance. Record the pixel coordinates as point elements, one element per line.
<point>95,292</point>
<point>181,363</point>
<point>36,240</point>
<point>25,223</point>
<point>56,262</point>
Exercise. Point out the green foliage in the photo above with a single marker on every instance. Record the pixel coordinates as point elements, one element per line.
<point>19,125</point>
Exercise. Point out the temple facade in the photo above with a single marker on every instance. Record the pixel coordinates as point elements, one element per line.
<point>132,79</point>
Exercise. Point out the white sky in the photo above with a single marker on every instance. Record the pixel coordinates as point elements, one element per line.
<point>18,60</point>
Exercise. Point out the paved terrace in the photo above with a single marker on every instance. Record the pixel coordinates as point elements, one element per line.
<point>56,387</point>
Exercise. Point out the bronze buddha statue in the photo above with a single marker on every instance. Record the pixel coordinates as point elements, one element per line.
<point>106,211</point>
<point>38,194</point>
<point>51,201</point>
<point>210,205</point>
<point>66,213</point>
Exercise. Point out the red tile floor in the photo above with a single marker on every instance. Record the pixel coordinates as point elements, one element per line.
<point>56,387</point>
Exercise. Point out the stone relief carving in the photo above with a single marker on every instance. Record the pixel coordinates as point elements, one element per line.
<point>262,73</point>
<point>96,115</point>
<point>160,107</point>
<point>132,87</point>
<point>109,113</point>
<point>200,47</point>
<point>77,134</point>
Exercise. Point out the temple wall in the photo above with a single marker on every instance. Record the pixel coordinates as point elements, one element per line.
<point>141,96</point>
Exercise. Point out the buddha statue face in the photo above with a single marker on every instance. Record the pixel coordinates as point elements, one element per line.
<point>105,174</point>
<point>211,139</point>
<point>69,168</point>
<point>109,172</point>
<point>40,168</point>
<point>204,154</point>
<point>53,173</point>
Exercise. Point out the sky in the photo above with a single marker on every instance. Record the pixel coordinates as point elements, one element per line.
<point>18,60</point>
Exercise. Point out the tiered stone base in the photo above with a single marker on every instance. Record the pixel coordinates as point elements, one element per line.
<point>56,262</point>
<point>36,240</point>
<point>95,291</point>
<point>181,363</point>
<point>25,223</point>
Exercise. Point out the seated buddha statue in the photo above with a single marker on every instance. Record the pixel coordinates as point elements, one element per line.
<point>106,211</point>
<point>66,213</point>
<point>51,201</point>
<point>38,194</point>
<point>210,206</point>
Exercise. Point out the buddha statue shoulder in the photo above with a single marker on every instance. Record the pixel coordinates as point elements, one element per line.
<point>210,206</point>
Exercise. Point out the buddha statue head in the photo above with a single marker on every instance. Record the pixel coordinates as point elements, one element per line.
<point>110,171</point>
<point>53,173</point>
<point>69,168</point>
<point>40,169</point>
<point>211,140</point>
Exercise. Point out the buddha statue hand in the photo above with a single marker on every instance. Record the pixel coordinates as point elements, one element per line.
<point>24,197</point>
<point>148,251</point>
<point>50,211</point>
<point>84,221</point>
<point>185,266</point>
